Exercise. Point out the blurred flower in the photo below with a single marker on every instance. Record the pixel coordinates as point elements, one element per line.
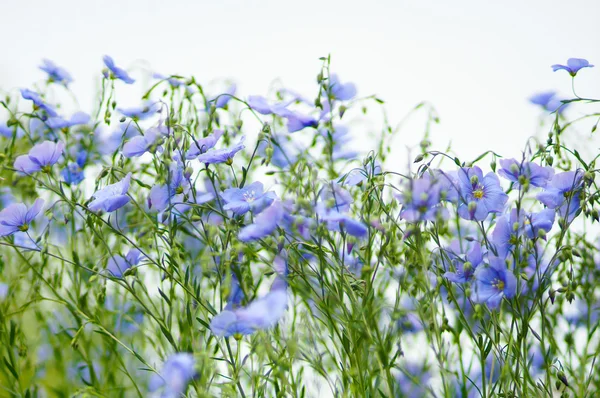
<point>142,112</point>
<point>17,217</point>
<point>8,131</point>
<point>341,140</point>
<point>464,269</point>
<point>260,314</point>
<point>414,380</point>
<point>573,65</point>
<point>284,151</point>
<point>221,100</point>
<point>174,192</point>
<point>111,197</point>
<point>549,101</point>
<point>40,158</point>
<point>520,172</point>
<point>563,194</point>
<point>251,197</point>
<point>264,224</point>
<point>3,290</point>
<point>493,282</point>
<point>297,122</point>
<point>201,145</point>
<point>73,173</point>
<point>336,221</point>
<point>479,195</point>
<point>221,155</point>
<point>334,197</point>
<point>56,73</point>
<point>117,265</point>
<point>114,72</point>
<point>261,105</point>
<point>38,102</point>
<point>420,200</point>
<point>177,372</point>
<point>340,91</point>
<point>140,144</point>
<point>58,122</point>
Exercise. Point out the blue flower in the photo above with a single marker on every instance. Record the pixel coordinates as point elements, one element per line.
<point>518,172</point>
<point>573,65</point>
<point>17,217</point>
<point>251,197</point>
<point>549,101</point>
<point>41,157</point>
<point>224,155</point>
<point>8,131</point>
<point>505,236</point>
<point>109,142</point>
<point>140,144</point>
<point>341,139</point>
<point>298,121</point>
<point>73,173</point>
<point>117,265</point>
<point>494,282</point>
<point>414,381</point>
<point>3,291</point>
<point>177,372</point>
<point>340,91</point>
<point>479,195</point>
<point>161,196</point>
<point>58,122</point>
<point>421,200</point>
<point>38,102</point>
<point>261,105</point>
<point>534,223</point>
<point>337,221</point>
<point>202,145</point>
<point>334,197</point>
<point>295,121</point>
<point>142,112</point>
<point>465,268</point>
<point>114,72</point>
<point>264,224</point>
<point>260,314</point>
<point>56,73</point>
<point>508,229</point>
<point>563,194</point>
<point>111,197</point>
<point>221,100</point>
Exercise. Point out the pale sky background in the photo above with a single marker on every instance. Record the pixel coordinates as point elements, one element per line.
<point>477,62</point>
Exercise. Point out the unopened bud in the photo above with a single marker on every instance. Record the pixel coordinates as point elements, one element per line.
<point>419,158</point>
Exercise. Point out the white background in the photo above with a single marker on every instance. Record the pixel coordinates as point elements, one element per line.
<point>477,62</point>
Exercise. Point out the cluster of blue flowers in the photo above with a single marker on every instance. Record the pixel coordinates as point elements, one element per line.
<point>175,217</point>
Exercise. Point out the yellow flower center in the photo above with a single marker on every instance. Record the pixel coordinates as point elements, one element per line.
<point>499,284</point>
<point>478,193</point>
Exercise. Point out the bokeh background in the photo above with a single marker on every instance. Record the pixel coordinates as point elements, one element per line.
<point>476,62</point>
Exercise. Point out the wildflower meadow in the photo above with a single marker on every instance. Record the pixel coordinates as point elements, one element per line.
<point>211,242</point>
